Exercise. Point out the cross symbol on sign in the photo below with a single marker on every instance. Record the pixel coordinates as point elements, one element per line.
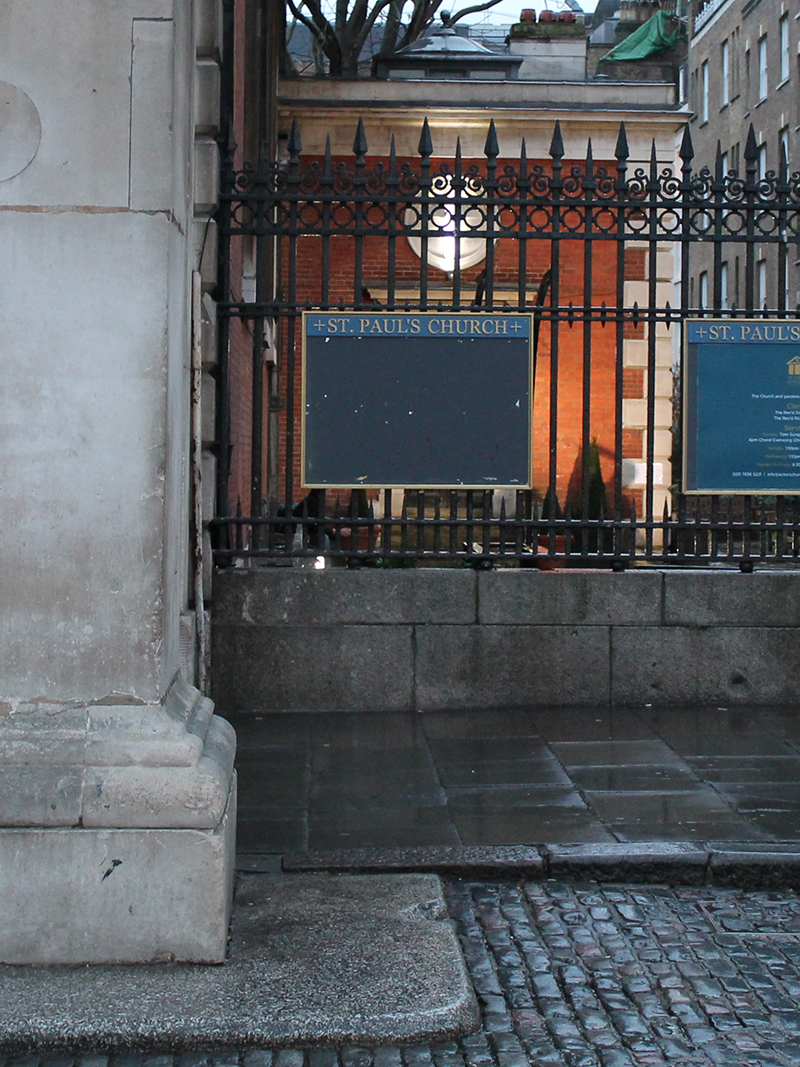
<point>701,331</point>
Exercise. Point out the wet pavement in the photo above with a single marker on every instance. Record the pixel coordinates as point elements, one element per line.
<point>581,975</point>
<point>495,777</point>
<point>623,881</point>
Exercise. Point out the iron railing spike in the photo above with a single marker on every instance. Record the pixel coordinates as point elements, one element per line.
<point>687,148</point>
<point>621,150</point>
<point>360,146</point>
<point>491,149</point>
<point>557,142</point>
<point>425,147</point>
<point>231,146</point>
<point>751,146</point>
<point>294,145</point>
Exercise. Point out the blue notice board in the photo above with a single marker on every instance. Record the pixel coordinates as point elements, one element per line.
<point>416,399</point>
<point>741,389</point>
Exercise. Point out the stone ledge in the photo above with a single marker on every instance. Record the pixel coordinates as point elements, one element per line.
<point>315,960</point>
<point>277,596</point>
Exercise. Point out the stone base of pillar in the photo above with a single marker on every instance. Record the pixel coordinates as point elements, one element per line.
<point>117,831</point>
<point>73,895</point>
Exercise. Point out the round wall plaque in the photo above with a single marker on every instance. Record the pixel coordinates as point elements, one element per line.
<point>20,131</point>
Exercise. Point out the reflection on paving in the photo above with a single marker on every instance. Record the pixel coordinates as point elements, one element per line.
<point>517,777</point>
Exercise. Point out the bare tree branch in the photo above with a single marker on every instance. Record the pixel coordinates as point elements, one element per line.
<point>342,35</point>
<point>391,28</point>
<point>368,23</point>
<point>320,28</point>
<point>471,10</point>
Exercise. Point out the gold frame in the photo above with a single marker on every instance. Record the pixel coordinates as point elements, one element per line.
<point>416,314</point>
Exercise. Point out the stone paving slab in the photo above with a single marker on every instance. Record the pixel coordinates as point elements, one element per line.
<point>520,777</point>
<point>314,960</point>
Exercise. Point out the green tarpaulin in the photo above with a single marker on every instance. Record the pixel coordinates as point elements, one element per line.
<point>651,37</point>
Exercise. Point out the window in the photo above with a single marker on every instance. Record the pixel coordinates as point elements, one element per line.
<point>725,75</point>
<point>761,283</point>
<point>735,86</point>
<point>762,161</point>
<point>704,91</point>
<point>724,163</point>
<point>735,158</point>
<point>748,89</point>
<point>783,27</point>
<point>683,73</point>
<point>703,290</point>
<point>763,78</point>
<point>723,286</point>
<point>783,144</point>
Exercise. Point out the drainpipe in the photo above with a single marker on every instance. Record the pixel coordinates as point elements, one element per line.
<point>201,671</point>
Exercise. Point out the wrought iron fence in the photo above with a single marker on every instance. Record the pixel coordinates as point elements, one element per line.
<point>609,258</point>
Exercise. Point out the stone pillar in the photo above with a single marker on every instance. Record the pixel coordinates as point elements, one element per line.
<point>117,790</point>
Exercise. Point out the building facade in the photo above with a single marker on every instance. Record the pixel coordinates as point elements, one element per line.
<point>745,71</point>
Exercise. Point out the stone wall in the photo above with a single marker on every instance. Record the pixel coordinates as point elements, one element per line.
<point>288,640</point>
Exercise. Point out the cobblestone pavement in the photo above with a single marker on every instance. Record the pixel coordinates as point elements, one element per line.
<point>583,975</point>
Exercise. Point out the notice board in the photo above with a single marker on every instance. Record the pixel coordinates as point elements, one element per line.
<point>422,399</point>
<point>741,389</point>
